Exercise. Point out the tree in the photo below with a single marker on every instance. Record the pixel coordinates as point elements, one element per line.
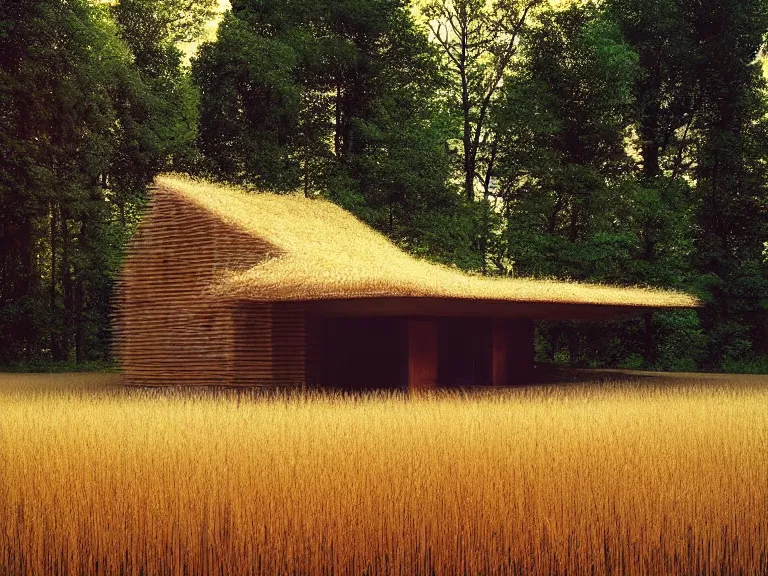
<point>156,101</point>
<point>336,98</point>
<point>561,127</point>
<point>700,117</point>
<point>479,41</point>
<point>251,103</point>
<point>58,111</point>
<point>732,180</point>
<point>93,107</point>
<point>18,323</point>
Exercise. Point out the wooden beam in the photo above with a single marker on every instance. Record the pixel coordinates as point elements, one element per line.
<point>422,354</point>
<point>455,307</point>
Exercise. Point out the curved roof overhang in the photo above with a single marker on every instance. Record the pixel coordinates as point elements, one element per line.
<point>294,249</point>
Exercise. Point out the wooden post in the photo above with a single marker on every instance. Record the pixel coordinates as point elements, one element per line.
<point>500,352</point>
<point>422,354</point>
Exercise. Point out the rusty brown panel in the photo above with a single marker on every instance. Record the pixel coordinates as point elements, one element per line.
<point>422,354</point>
<point>252,344</point>
<point>500,352</point>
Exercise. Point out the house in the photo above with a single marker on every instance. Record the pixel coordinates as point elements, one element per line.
<point>226,287</point>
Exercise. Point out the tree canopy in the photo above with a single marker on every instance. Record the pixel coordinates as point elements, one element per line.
<point>618,141</point>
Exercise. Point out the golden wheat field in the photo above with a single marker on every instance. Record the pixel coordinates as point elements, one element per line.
<point>667,477</point>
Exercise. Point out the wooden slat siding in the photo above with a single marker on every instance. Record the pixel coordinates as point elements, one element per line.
<point>269,344</point>
<point>422,354</point>
<point>252,344</point>
<point>168,331</point>
<point>289,351</point>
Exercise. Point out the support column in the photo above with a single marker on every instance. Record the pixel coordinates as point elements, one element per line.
<point>500,352</point>
<point>422,354</point>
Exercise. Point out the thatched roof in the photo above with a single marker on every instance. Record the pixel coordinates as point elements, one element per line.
<point>318,251</point>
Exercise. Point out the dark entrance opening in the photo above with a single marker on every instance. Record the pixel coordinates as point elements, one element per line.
<point>357,353</point>
<point>390,352</point>
<point>464,352</point>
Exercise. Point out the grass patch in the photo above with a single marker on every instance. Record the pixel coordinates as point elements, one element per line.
<point>51,367</point>
<point>663,477</point>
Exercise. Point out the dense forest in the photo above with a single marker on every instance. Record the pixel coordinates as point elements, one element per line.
<point>620,141</point>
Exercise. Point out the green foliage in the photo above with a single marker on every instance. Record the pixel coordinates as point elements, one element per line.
<point>250,107</point>
<point>46,366</point>
<point>561,124</point>
<point>92,106</point>
<point>620,142</point>
<point>339,99</point>
<point>152,28</point>
<point>681,341</point>
<point>631,155</point>
<point>478,41</point>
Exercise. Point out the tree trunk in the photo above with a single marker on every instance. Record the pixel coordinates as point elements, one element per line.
<point>488,208</point>
<point>66,283</point>
<point>650,155</point>
<point>466,108</point>
<point>469,163</point>
<point>79,299</point>
<point>649,349</point>
<point>54,333</point>
<point>337,131</point>
<point>78,303</point>
<point>26,329</point>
